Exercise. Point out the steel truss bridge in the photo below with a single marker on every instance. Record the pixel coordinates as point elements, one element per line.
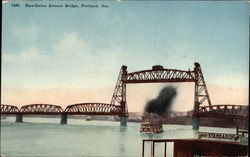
<point>49,109</point>
<point>76,109</point>
<point>215,111</point>
<point>118,105</point>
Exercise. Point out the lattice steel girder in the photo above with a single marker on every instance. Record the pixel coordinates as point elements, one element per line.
<point>8,109</point>
<point>158,81</point>
<point>222,116</point>
<point>119,95</point>
<point>41,109</point>
<point>41,113</point>
<point>163,75</point>
<point>224,111</point>
<point>93,109</point>
<point>201,92</point>
<point>160,75</point>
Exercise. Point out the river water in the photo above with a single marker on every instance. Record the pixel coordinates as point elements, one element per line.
<point>47,137</point>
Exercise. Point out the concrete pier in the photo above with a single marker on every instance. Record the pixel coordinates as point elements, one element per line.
<point>196,119</point>
<point>19,118</point>
<point>63,118</point>
<point>123,121</point>
<point>196,123</point>
<point>246,123</point>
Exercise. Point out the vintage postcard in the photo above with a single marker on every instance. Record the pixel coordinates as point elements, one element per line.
<point>124,78</point>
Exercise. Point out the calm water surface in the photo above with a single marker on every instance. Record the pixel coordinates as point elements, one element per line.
<point>46,137</point>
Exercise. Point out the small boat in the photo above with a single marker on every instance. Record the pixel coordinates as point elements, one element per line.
<point>88,118</point>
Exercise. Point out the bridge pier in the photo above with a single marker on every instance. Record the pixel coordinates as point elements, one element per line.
<point>19,118</point>
<point>245,124</point>
<point>123,121</point>
<point>196,123</point>
<point>64,118</point>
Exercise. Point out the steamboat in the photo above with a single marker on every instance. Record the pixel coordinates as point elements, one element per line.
<point>151,123</point>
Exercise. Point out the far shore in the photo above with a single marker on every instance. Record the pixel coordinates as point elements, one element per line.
<point>135,117</point>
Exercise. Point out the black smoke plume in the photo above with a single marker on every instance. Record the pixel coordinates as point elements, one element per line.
<point>162,103</point>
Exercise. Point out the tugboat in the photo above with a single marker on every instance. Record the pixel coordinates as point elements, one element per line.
<point>151,123</point>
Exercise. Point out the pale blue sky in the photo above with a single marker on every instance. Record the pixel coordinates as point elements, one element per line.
<point>65,47</point>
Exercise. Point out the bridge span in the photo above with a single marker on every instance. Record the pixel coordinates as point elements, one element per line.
<point>224,111</point>
<point>49,109</point>
<point>118,104</point>
<point>214,111</point>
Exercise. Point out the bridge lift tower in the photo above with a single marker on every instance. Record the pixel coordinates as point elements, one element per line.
<point>160,75</point>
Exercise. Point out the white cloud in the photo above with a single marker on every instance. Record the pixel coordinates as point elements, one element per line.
<point>29,55</point>
<point>79,63</point>
<point>30,30</point>
<point>72,44</point>
<point>71,62</point>
<point>236,80</point>
<point>5,1</point>
<point>70,47</point>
